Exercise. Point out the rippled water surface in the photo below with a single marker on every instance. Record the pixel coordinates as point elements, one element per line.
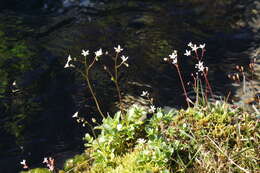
<point>148,32</point>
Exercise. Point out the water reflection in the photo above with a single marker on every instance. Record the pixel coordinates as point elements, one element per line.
<point>148,31</point>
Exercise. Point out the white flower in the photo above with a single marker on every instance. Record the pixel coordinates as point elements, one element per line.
<point>174,61</point>
<point>202,46</point>
<point>124,58</point>
<point>165,59</point>
<point>190,44</point>
<point>194,47</point>
<point>25,166</point>
<point>152,109</point>
<point>173,56</point>
<point>118,49</point>
<point>68,63</point>
<point>69,59</point>
<point>50,163</point>
<point>144,93</point>
<point>45,160</point>
<point>75,115</point>
<point>99,53</point>
<point>200,66</point>
<point>85,52</point>
<point>119,127</point>
<point>14,83</point>
<point>141,141</point>
<point>187,53</point>
<point>23,162</point>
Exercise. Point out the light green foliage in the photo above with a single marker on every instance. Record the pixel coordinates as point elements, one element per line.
<point>157,150</point>
<point>122,145</point>
<point>117,136</point>
<point>37,170</point>
<point>127,163</point>
<point>199,139</point>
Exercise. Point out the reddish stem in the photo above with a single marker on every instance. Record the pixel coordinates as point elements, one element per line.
<point>208,84</point>
<point>182,83</point>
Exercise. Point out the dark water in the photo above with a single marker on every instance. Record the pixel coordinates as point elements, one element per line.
<point>39,114</point>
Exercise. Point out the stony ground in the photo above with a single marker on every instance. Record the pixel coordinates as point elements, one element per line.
<point>249,93</point>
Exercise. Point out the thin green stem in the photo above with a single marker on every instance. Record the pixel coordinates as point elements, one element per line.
<point>109,72</point>
<point>90,86</point>
<point>117,85</point>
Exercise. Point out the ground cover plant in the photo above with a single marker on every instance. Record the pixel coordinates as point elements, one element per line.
<point>210,135</point>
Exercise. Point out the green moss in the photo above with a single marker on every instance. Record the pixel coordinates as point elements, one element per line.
<point>209,133</point>
<point>128,164</point>
<point>37,170</point>
<point>77,163</point>
<point>198,139</point>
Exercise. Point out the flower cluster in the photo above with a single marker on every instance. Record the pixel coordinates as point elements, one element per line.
<point>79,119</point>
<point>124,58</point>
<point>49,162</point>
<point>173,58</point>
<point>98,53</point>
<point>194,47</point>
<point>200,66</point>
<point>89,63</point>
<point>152,108</point>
